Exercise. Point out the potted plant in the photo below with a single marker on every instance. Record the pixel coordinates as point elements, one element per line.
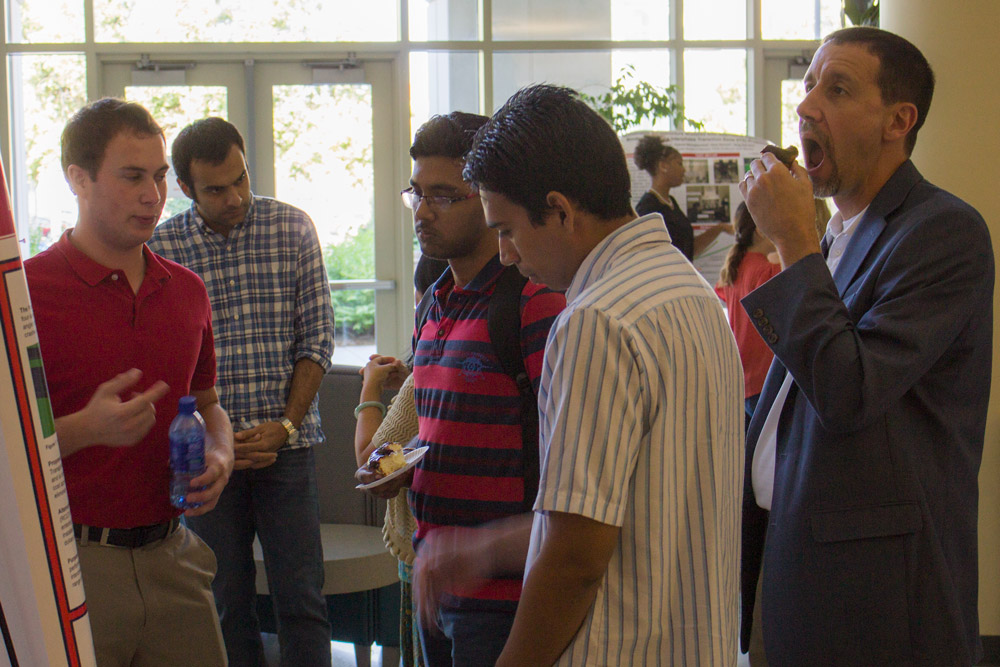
<point>628,104</point>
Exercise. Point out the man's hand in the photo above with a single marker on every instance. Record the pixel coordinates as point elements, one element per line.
<point>107,419</point>
<point>780,199</point>
<point>449,559</point>
<point>120,423</point>
<point>381,373</point>
<point>257,447</point>
<point>218,466</point>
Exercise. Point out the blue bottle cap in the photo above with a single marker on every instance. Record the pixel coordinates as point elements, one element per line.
<point>187,404</point>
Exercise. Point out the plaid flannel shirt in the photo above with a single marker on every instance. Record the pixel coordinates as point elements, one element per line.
<point>270,305</point>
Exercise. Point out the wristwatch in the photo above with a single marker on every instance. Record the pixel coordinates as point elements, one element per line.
<point>293,433</point>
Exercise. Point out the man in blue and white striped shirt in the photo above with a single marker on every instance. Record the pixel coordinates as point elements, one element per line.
<point>263,268</point>
<point>634,550</point>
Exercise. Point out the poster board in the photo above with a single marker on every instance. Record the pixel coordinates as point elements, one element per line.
<point>714,164</point>
<point>43,614</point>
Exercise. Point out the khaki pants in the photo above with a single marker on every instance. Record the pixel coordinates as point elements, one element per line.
<point>153,606</point>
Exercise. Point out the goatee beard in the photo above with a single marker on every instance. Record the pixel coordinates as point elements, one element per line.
<point>828,189</point>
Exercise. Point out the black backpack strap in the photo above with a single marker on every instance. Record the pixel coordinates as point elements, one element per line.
<point>504,323</point>
<point>423,308</point>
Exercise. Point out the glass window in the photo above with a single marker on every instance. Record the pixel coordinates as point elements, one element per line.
<point>46,90</point>
<point>591,72</point>
<point>551,20</point>
<point>796,19</point>
<point>175,107</point>
<point>45,21</point>
<point>445,20</point>
<point>442,82</point>
<point>719,19</point>
<point>323,165</point>
<point>586,71</point>
<point>234,21</point>
<point>640,19</point>
<point>715,88</point>
<point>792,94</point>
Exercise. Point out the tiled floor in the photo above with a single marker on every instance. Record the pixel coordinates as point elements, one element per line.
<point>343,654</point>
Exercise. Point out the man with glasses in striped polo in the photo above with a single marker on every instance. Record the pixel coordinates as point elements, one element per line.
<point>477,475</point>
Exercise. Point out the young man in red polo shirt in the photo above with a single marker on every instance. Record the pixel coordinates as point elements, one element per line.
<point>124,334</point>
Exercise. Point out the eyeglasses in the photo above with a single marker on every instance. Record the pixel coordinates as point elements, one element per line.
<point>411,200</point>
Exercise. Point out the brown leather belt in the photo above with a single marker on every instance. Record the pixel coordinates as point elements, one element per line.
<point>131,538</point>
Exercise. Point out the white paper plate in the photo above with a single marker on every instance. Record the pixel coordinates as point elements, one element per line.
<point>412,458</point>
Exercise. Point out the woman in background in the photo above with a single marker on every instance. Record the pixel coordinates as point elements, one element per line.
<point>398,424</point>
<point>664,164</point>
<point>751,262</point>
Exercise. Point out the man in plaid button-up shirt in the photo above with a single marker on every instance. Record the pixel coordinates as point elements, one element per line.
<point>263,268</point>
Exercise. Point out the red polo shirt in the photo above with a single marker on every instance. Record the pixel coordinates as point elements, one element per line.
<point>469,412</point>
<point>91,327</point>
<point>755,355</point>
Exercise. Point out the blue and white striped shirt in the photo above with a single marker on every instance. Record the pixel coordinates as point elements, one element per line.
<point>270,305</point>
<point>641,411</point>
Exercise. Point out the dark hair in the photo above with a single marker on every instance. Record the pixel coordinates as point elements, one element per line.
<point>446,136</point>
<point>546,139</point>
<point>650,151</point>
<point>427,272</point>
<point>904,74</point>
<point>745,228</point>
<point>90,130</point>
<point>208,140</point>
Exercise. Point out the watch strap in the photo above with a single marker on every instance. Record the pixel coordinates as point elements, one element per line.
<point>290,430</point>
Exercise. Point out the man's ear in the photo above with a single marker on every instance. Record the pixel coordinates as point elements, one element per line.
<point>185,189</point>
<point>902,117</point>
<point>78,179</point>
<point>562,209</point>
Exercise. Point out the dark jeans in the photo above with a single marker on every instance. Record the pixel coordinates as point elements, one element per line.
<point>279,504</point>
<point>472,638</point>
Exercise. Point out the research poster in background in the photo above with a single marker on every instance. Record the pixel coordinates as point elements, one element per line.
<point>713,167</point>
<point>43,617</point>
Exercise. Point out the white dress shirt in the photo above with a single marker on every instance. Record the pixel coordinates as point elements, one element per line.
<point>838,234</point>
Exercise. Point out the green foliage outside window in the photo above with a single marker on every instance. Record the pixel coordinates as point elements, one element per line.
<point>354,310</point>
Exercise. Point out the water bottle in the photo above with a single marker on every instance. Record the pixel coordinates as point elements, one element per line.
<point>187,452</point>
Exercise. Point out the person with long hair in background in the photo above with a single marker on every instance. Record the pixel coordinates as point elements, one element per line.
<point>750,263</point>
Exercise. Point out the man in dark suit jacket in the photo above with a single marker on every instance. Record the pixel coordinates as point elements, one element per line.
<point>866,444</point>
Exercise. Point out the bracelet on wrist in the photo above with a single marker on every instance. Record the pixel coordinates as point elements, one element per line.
<point>369,404</point>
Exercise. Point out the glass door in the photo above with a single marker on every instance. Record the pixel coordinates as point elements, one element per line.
<point>783,91</point>
<point>313,141</point>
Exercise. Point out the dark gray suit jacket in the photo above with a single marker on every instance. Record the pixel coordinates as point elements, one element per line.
<point>871,540</point>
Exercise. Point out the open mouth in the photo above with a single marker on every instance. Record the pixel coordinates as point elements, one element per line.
<point>813,153</point>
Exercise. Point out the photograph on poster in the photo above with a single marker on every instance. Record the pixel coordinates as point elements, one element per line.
<point>727,170</point>
<point>707,203</point>
<point>695,170</point>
